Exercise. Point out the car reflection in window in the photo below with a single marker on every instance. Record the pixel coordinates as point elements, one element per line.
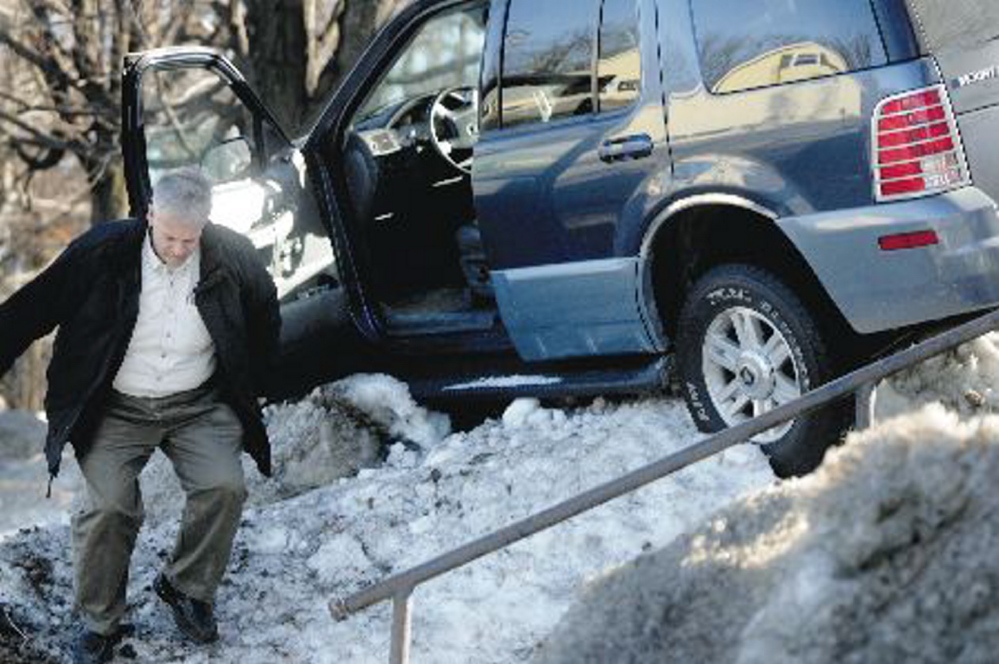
<point>794,62</point>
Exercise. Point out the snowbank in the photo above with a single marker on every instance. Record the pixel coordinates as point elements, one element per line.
<point>333,433</point>
<point>368,483</point>
<point>293,555</point>
<point>964,380</point>
<point>886,554</point>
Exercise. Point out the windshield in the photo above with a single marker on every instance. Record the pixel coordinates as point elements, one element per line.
<point>445,53</point>
<point>944,24</point>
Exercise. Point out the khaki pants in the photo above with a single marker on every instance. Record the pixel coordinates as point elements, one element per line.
<point>202,437</point>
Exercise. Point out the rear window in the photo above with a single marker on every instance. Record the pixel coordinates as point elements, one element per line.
<point>964,23</point>
<point>746,44</point>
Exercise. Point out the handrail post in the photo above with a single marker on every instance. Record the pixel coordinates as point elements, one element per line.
<point>401,626</point>
<point>865,398</point>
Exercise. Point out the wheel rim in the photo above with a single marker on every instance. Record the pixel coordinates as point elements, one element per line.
<point>749,368</point>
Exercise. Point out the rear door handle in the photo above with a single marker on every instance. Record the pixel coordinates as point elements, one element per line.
<point>637,146</point>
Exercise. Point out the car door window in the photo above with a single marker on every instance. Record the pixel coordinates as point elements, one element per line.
<point>193,117</point>
<point>444,54</point>
<point>407,157</point>
<point>548,61</point>
<point>619,69</point>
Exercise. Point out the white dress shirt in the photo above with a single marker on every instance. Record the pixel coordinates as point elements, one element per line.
<point>170,350</point>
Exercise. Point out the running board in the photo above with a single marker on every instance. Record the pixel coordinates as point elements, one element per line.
<point>645,377</point>
<point>399,324</point>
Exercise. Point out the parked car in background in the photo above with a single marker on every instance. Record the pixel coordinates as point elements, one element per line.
<point>565,198</point>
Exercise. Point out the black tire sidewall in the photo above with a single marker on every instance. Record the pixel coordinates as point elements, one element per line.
<point>801,448</point>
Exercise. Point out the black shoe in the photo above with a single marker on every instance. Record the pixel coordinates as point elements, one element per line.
<point>93,648</point>
<point>193,617</point>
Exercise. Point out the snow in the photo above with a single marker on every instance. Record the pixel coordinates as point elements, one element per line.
<point>23,475</point>
<point>885,554</point>
<point>963,380</point>
<point>368,483</point>
<point>505,381</point>
<point>300,547</point>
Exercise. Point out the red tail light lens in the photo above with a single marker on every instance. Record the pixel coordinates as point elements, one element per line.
<point>912,101</point>
<point>917,149</point>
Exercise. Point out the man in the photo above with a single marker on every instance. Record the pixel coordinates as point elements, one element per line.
<point>165,330</point>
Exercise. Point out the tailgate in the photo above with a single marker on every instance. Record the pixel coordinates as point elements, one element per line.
<point>963,37</point>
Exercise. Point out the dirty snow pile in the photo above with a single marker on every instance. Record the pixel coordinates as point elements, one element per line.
<point>886,554</point>
<point>965,380</point>
<point>340,429</point>
<point>310,535</point>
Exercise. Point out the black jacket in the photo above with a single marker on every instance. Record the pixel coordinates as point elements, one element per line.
<point>91,293</point>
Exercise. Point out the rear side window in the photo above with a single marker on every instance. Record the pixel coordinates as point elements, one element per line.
<point>548,61</point>
<point>619,69</point>
<point>746,44</point>
<point>942,23</point>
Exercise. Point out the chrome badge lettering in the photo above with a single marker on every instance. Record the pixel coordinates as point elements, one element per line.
<point>978,76</point>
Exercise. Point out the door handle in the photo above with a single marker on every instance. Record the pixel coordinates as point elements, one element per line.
<point>637,146</point>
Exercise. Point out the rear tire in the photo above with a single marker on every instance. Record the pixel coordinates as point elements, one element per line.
<point>746,344</point>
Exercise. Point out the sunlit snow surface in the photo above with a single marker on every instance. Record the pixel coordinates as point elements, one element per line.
<point>294,554</point>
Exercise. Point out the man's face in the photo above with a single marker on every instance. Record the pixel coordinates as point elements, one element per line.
<point>174,237</point>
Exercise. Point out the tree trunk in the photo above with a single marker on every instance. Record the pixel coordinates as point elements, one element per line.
<point>27,379</point>
<point>108,195</point>
<point>361,19</point>
<point>358,20</point>
<point>295,52</point>
<point>275,57</point>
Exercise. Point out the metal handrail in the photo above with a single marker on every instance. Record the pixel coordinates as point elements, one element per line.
<point>861,382</point>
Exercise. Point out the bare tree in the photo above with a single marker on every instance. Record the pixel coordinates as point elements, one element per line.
<point>66,96</point>
<point>296,51</point>
<point>68,55</point>
<point>60,105</point>
<point>60,96</point>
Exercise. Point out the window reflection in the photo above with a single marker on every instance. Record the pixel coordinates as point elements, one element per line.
<point>446,53</point>
<point>745,44</point>
<point>795,62</point>
<point>188,114</point>
<point>548,61</point>
<point>619,69</point>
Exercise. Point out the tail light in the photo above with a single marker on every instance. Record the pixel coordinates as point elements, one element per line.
<point>917,149</point>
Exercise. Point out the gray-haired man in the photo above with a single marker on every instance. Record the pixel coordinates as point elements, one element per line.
<point>166,330</point>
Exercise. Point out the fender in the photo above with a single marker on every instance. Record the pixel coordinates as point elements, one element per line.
<point>646,291</point>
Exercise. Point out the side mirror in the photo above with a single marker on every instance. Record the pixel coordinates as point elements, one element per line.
<point>229,160</point>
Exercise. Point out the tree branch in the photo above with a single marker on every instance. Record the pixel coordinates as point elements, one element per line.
<point>48,160</point>
<point>60,58</point>
<point>320,45</point>
<point>64,111</point>
<point>87,51</point>
<point>178,19</point>
<point>46,65</point>
<point>237,25</point>
<point>38,137</point>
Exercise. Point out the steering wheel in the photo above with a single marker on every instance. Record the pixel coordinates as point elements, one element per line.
<point>454,125</point>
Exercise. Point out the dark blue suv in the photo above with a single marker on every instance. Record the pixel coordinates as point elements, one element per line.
<point>567,197</point>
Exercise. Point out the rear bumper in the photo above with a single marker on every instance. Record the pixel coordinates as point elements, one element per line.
<point>880,290</point>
